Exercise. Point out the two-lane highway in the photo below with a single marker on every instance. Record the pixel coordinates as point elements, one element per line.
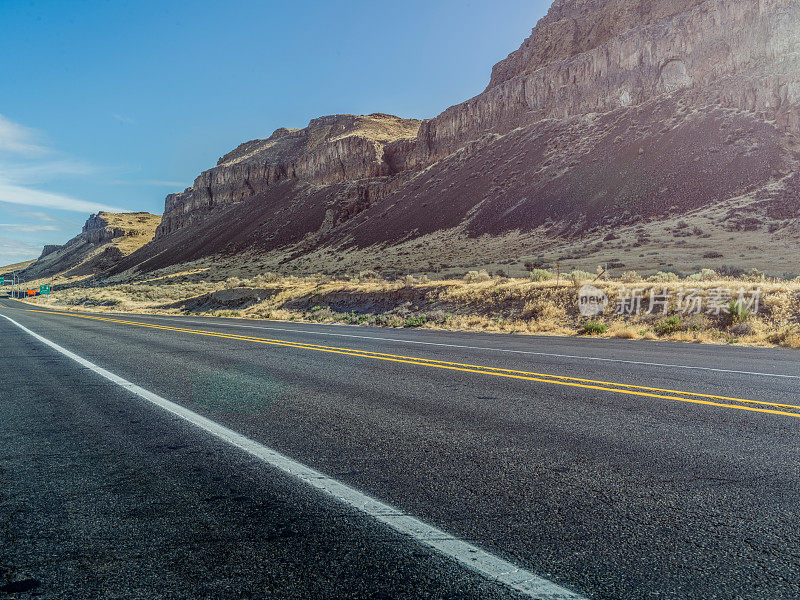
<point>605,468</point>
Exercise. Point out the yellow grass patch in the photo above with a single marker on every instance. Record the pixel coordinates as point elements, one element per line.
<point>496,304</point>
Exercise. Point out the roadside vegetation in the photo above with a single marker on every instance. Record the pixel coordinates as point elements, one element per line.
<point>543,303</point>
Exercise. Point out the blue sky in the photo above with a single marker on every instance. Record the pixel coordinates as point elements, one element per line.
<point>112,105</point>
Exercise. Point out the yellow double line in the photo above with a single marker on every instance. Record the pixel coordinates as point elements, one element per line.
<point>605,386</point>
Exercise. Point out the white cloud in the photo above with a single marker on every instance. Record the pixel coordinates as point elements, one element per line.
<point>15,250</point>
<point>33,164</point>
<point>152,182</point>
<point>36,214</point>
<point>44,170</point>
<point>124,120</point>
<point>17,194</point>
<point>17,139</point>
<point>28,228</point>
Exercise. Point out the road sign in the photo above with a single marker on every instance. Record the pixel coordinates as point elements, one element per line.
<point>31,292</point>
<point>2,280</point>
<point>44,289</point>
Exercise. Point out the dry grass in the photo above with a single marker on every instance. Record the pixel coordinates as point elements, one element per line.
<point>476,304</point>
<point>142,224</point>
<point>16,267</point>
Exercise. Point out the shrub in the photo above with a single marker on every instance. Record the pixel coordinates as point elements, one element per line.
<point>742,329</point>
<point>577,277</point>
<point>354,318</point>
<point>592,328</point>
<point>264,278</point>
<point>630,277</point>
<point>320,313</point>
<point>415,321</point>
<point>624,333</point>
<point>537,263</point>
<point>477,276</point>
<point>233,282</point>
<point>368,275</point>
<point>662,276</point>
<point>787,337</point>
<point>729,271</point>
<point>668,326</point>
<point>541,275</point>
<point>738,312</point>
<point>439,317</point>
<point>704,275</point>
<point>389,321</point>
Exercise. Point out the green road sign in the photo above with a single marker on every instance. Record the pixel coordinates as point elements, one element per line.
<point>2,280</point>
<point>44,289</point>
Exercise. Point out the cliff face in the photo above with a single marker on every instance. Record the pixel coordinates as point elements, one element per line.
<point>613,112</point>
<point>106,238</point>
<point>595,56</point>
<point>104,227</point>
<point>330,150</point>
<point>574,27</point>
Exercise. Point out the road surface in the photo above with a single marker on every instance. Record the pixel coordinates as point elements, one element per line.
<point>187,457</point>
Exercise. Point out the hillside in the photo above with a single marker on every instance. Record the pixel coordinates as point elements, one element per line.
<point>642,134</point>
<point>9,269</point>
<point>106,239</point>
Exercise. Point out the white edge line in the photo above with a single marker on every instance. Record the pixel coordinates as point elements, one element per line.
<point>464,553</point>
<point>530,352</point>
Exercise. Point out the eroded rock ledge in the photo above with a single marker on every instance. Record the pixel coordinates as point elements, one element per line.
<point>585,58</point>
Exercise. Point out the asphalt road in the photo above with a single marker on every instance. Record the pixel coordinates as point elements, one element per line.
<point>587,462</point>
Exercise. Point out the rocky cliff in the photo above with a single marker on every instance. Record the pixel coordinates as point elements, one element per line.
<point>613,113</point>
<point>105,227</point>
<point>595,56</point>
<point>330,150</point>
<point>106,238</point>
<point>49,249</point>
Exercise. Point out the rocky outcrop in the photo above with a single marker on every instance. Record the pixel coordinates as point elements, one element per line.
<point>574,27</point>
<point>104,227</point>
<point>331,150</point>
<point>106,238</point>
<point>49,249</point>
<point>596,56</point>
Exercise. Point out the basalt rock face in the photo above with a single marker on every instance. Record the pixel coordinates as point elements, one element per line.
<point>574,27</point>
<point>612,113</point>
<point>331,150</point>
<point>596,56</point>
<point>106,238</point>
<point>104,227</point>
<point>49,249</point>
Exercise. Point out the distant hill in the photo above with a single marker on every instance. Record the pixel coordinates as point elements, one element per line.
<point>9,269</point>
<point>106,239</point>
